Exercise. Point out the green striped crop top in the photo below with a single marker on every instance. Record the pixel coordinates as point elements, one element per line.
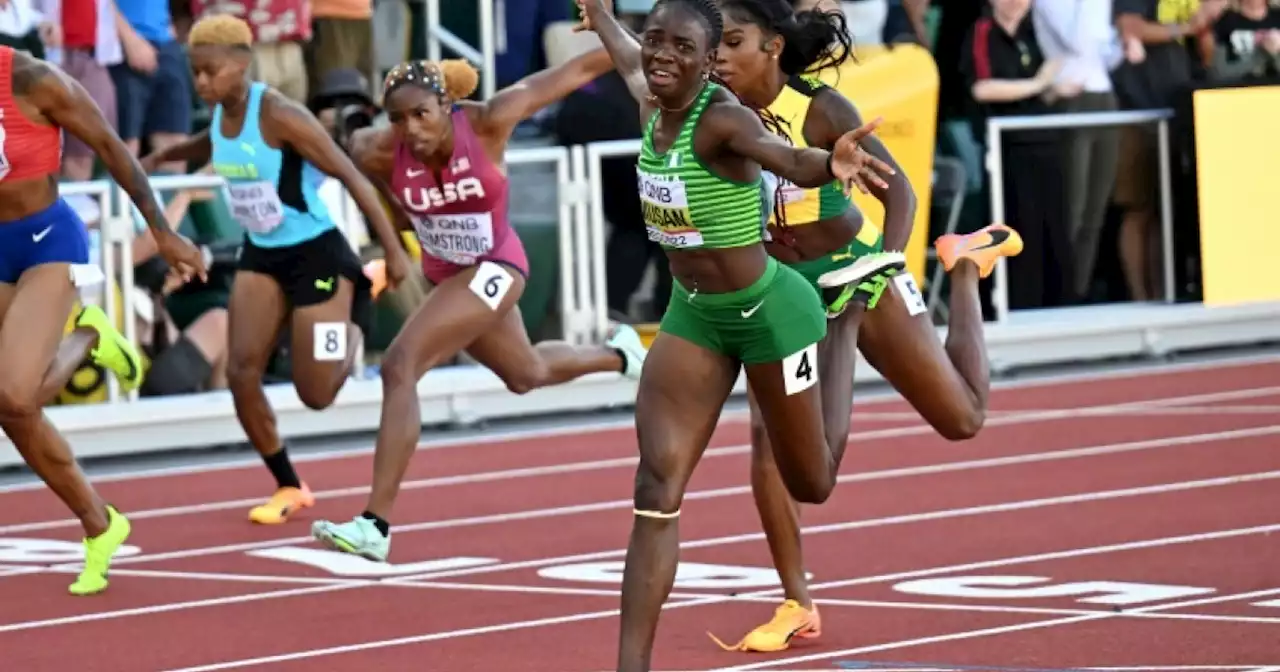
<point>685,205</point>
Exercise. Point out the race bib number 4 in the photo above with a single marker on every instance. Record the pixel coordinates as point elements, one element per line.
<point>460,239</point>
<point>256,205</point>
<point>800,370</point>
<point>665,206</point>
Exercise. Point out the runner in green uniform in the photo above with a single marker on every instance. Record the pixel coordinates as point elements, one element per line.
<point>732,305</point>
<point>764,56</point>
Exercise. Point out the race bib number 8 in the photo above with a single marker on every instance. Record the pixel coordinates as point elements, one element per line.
<point>329,341</point>
<point>800,370</point>
<point>491,283</point>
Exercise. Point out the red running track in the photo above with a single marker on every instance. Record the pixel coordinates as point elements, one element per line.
<point>1120,521</point>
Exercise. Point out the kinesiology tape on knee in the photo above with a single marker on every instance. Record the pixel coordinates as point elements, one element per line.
<point>657,514</point>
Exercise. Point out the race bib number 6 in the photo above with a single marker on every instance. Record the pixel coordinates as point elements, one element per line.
<point>491,283</point>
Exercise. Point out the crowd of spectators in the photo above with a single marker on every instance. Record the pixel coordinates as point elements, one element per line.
<point>1085,200</point>
<point>1066,188</point>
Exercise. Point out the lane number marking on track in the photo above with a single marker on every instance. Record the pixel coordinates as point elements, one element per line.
<point>19,552</point>
<point>49,551</point>
<point>1013,587</point>
<point>689,575</point>
<point>342,564</point>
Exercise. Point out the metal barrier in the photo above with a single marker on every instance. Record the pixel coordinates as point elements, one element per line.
<point>995,166</point>
<point>110,237</point>
<point>483,59</point>
<point>596,152</point>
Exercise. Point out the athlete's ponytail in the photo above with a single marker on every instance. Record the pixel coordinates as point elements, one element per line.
<point>813,40</point>
<point>454,79</point>
<point>460,78</point>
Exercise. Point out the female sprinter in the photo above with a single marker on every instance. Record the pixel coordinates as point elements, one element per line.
<point>295,265</point>
<point>732,304</point>
<point>441,161</point>
<point>44,256</point>
<point>762,53</point>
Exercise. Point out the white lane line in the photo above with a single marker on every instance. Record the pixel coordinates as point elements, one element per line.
<point>878,398</point>
<point>987,632</point>
<point>704,543</point>
<point>617,504</point>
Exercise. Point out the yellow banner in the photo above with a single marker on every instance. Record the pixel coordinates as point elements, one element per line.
<point>901,85</point>
<point>1237,142</point>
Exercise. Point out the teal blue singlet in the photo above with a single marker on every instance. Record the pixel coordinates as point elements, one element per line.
<point>271,192</point>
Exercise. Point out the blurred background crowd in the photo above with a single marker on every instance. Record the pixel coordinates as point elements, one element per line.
<point>1086,200</point>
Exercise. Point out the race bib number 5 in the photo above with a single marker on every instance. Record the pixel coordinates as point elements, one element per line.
<point>910,293</point>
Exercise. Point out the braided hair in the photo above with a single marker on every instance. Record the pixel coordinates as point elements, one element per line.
<point>707,12</point>
<point>454,79</point>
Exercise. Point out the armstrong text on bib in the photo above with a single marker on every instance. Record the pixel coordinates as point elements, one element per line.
<point>459,239</point>
<point>256,205</point>
<point>666,211</point>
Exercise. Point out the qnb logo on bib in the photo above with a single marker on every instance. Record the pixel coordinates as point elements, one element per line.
<point>256,205</point>
<point>425,198</point>
<point>665,207</point>
<point>461,239</point>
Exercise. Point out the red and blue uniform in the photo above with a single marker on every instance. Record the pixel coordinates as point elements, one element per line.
<point>31,151</point>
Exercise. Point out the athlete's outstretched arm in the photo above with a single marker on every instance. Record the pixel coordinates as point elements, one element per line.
<point>899,198</point>
<point>521,100</point>
<point>736,127</point>
<point>196,149</point>
<point>623,47</point>
<point>296,126</point>
<point>65,103</point>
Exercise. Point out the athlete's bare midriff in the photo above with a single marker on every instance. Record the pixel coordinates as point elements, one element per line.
<point>717,271</point>
<point>23,198</point>
<point>815,240</point>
